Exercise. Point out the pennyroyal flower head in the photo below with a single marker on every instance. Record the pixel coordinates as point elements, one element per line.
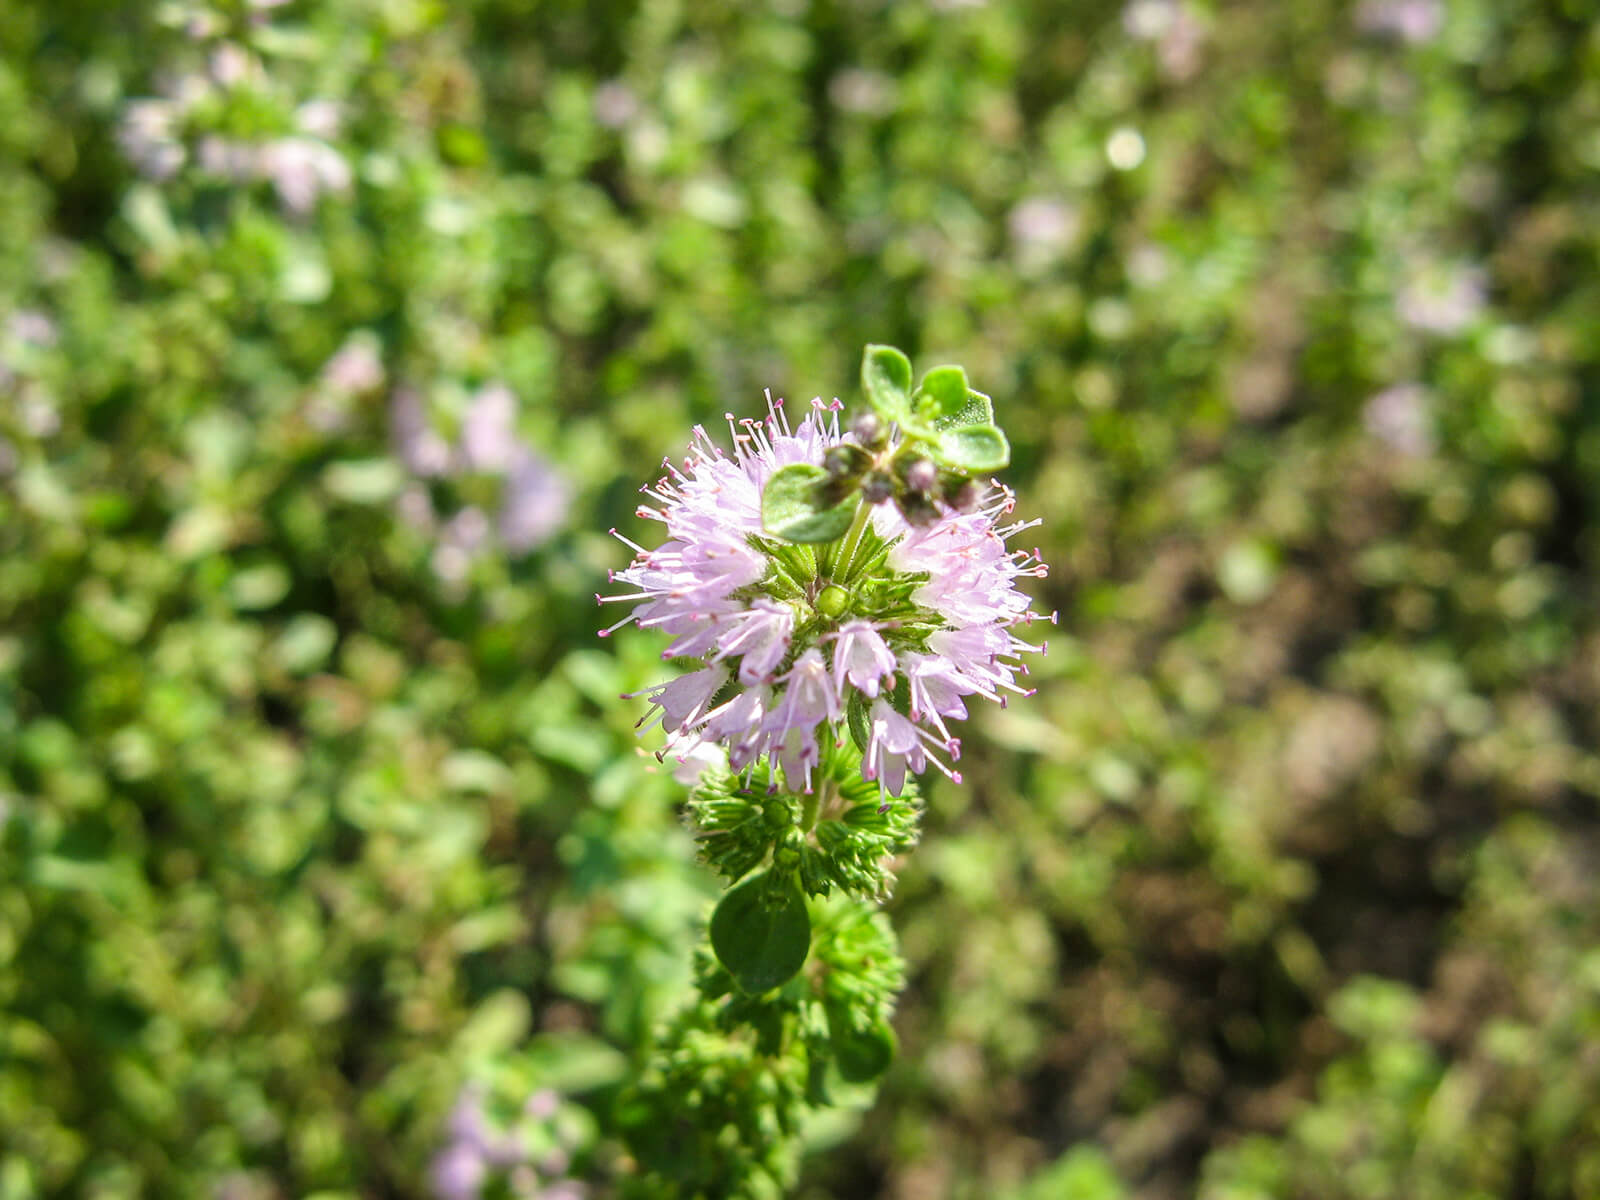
<point>862,618</point>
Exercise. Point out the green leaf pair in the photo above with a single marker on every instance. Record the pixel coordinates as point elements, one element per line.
<point>944,412</point>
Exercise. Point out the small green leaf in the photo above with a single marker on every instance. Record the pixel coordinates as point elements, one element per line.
<point>886,379</point>
<point>762,946</point>
<point>305,643</point>
<point>792,506</point>
<point>942,394</point>
<point>978,410</point>
<point>861,1054</point>
<point>855,711</point>
<point>572,1062</point>
<point>499,1022</point>
<point>259,587</point>
<point>973,448</point>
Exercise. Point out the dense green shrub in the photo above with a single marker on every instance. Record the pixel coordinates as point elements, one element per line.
<point>317,800</point>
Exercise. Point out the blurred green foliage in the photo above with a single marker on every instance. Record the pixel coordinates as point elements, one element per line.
<point>1284,882</point>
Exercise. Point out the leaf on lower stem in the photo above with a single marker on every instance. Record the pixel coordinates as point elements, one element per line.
<point>762,943</point>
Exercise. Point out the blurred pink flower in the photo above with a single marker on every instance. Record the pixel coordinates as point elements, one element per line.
<point>1401,418</point>
<point>534,504</point>
<point>1410,21</point>
<point>1442,298</point>
<point>488,429</point>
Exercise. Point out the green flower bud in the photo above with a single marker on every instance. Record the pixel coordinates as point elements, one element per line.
<point>787,856</point>
<point>832,601</point>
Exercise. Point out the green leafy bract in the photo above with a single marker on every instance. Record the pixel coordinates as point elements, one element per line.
<point>886,380</point>
<point>943,396</point>
<point>794,507</point>
<point>971,448</point>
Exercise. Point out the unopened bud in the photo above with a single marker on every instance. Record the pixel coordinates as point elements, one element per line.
<point>870,430</point>
<point>961,494</point>
<point>832,600</point>
<point>784,859</point>
<point>917,509</point>
<point>846,461</point>
<point>876,487</point>
<point>921,475</point>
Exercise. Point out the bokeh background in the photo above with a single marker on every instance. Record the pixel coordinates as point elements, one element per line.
<point>334,337</point>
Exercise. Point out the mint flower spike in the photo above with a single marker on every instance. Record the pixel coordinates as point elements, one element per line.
<point>882,629</point>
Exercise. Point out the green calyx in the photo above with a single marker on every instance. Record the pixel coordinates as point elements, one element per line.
<point>942,422</point>
<point>841,835</point>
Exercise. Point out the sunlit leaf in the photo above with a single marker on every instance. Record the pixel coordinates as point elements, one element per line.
<point>793,507</point>
<point>973,448</point>
<point>886,380</point>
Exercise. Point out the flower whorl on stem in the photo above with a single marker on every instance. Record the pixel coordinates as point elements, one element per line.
<point>883,630</point>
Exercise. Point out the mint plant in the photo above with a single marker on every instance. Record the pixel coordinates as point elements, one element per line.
<point>837,594</point>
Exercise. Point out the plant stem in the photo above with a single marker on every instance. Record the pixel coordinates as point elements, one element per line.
<point>852,542</point>
<point>809,805</point>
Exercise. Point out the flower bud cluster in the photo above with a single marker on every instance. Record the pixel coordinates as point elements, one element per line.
<point>882,469</point>
<point>849,841</point>
<point>884,631</point>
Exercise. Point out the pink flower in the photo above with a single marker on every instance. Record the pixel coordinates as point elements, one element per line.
<point>1442,298</point>
<point>302,169</point>
<point>683,701</point>
<point>1410,21</point>
<point>808,699</point>
<point>895,743</point>
<point>760,633</point>
<point>936,686</point>
<point>861,658</point>
<point>488,429</point>
<point>422,450</point>
<point>534,503</point>
<point>356,367</point>
<point>738,725</point>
